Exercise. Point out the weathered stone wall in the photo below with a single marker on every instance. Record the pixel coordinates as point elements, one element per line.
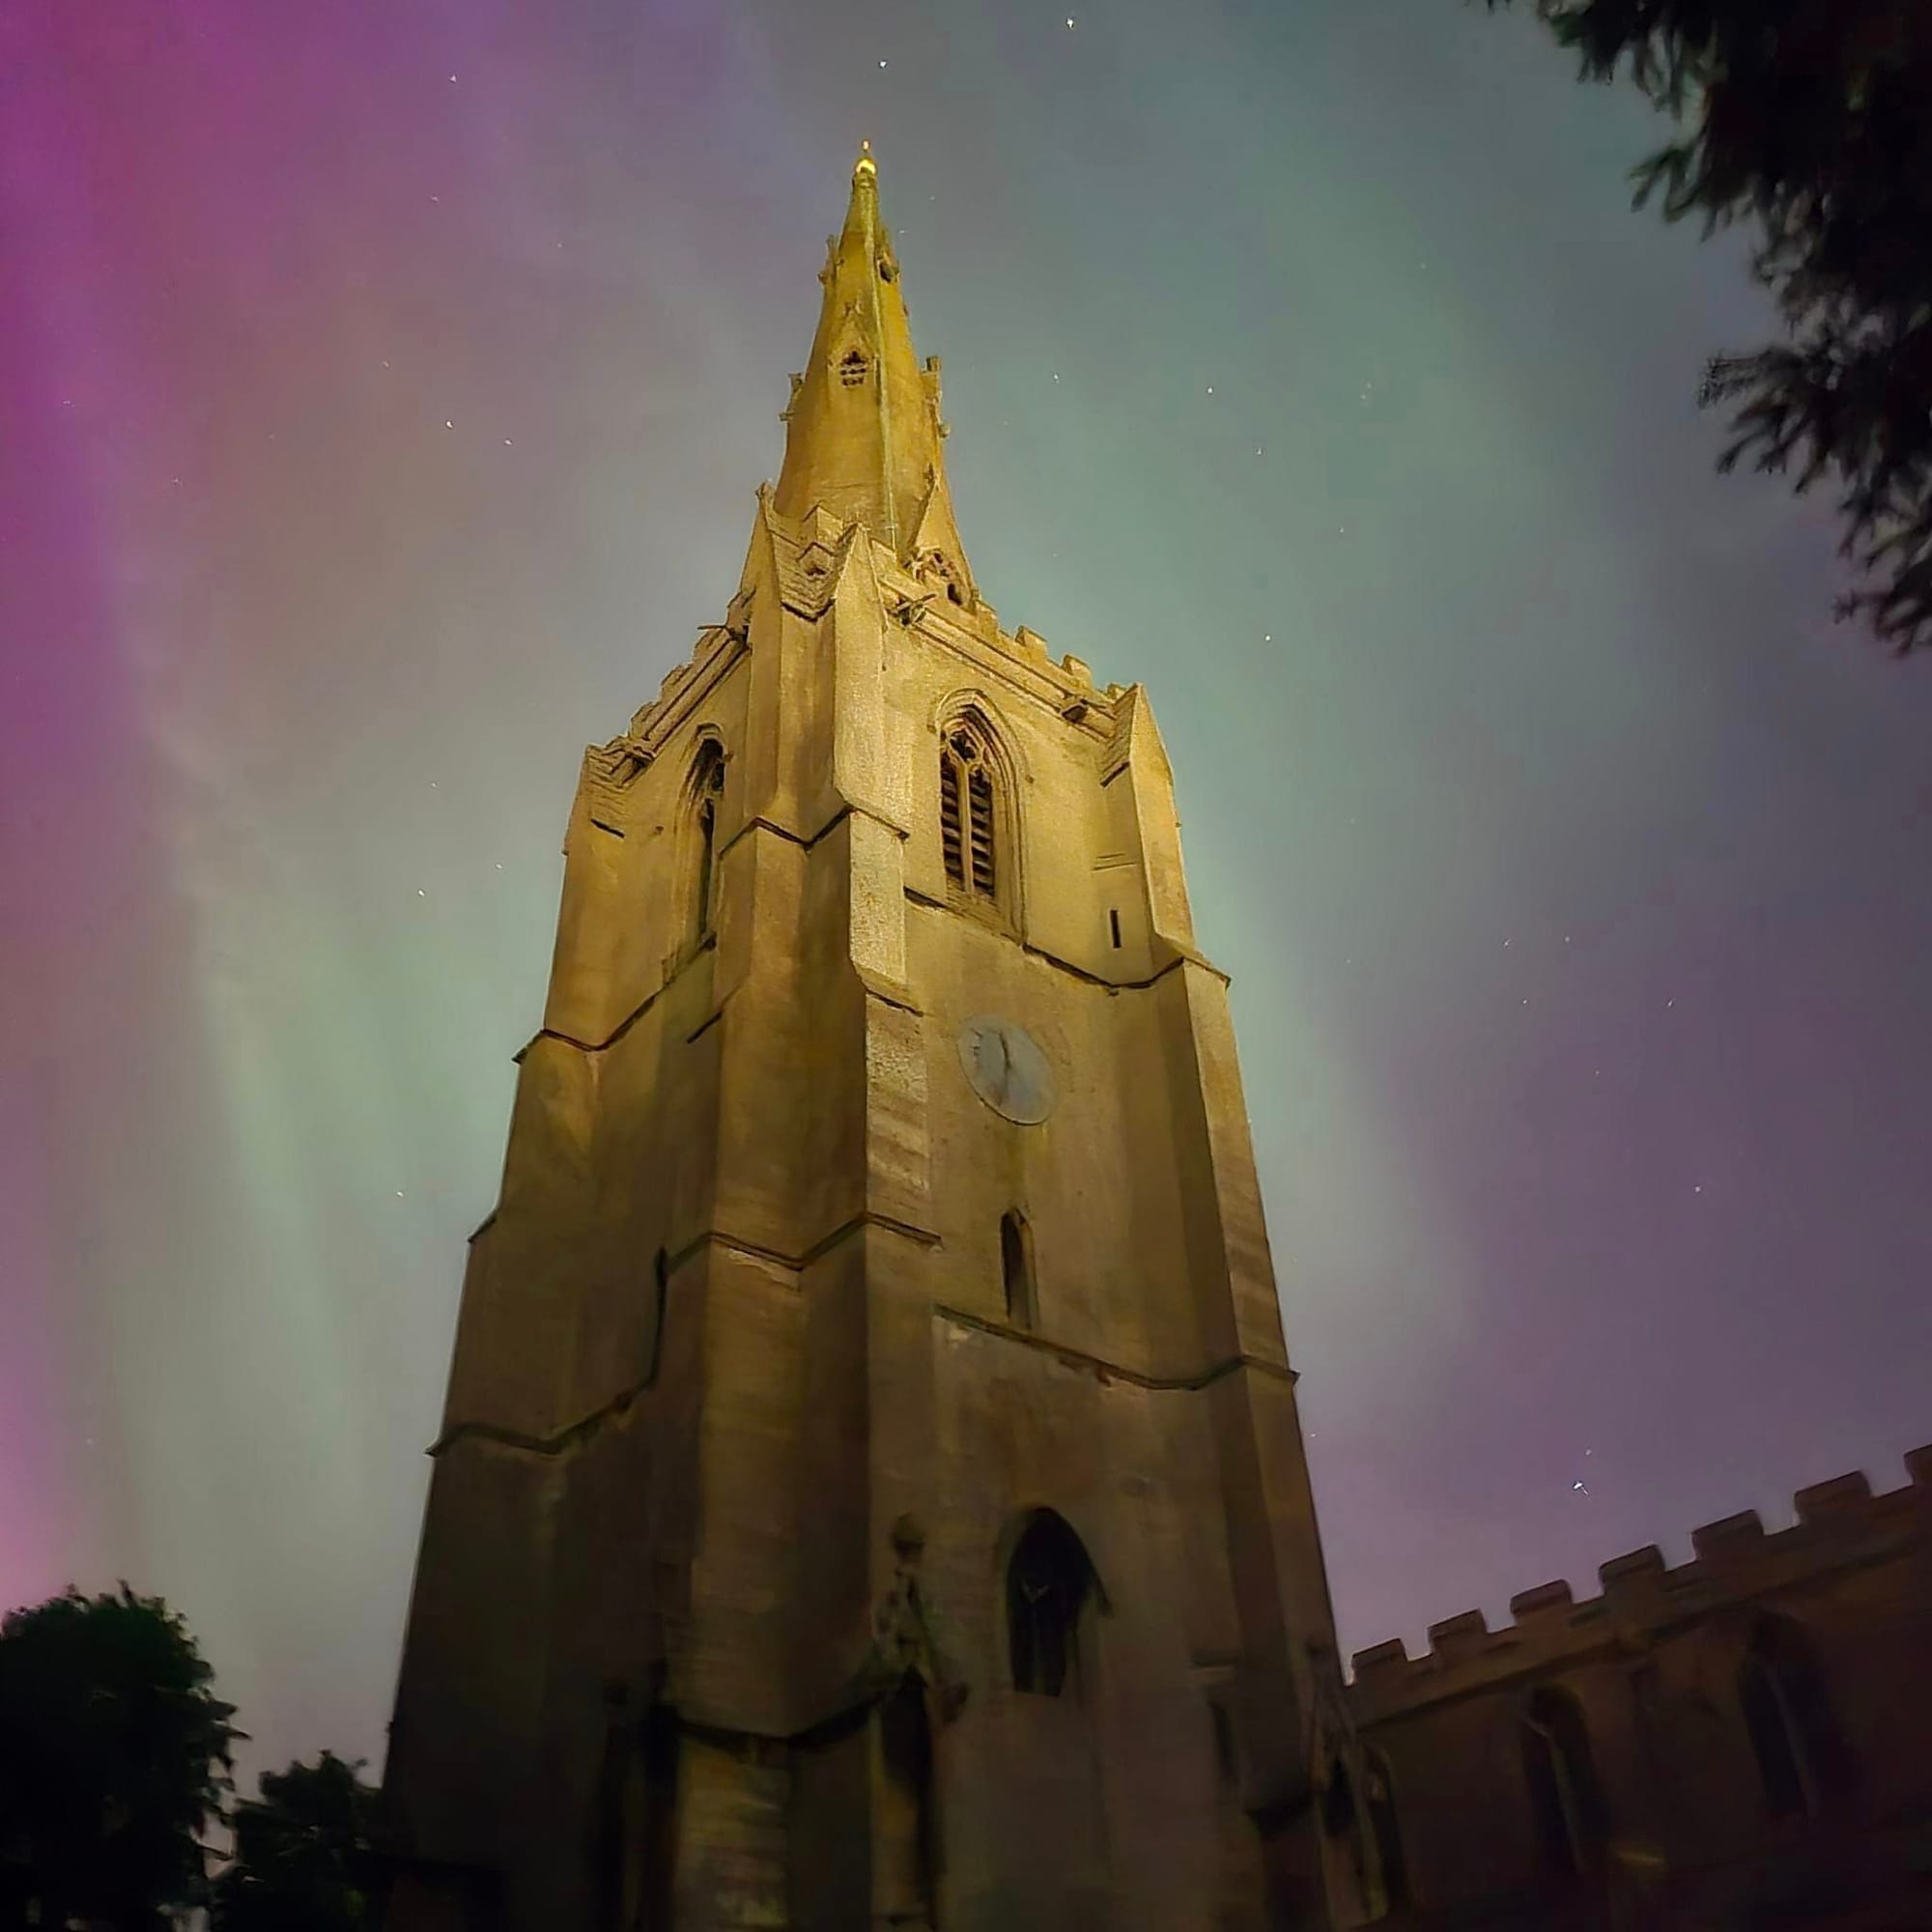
<point>1692,1827</point>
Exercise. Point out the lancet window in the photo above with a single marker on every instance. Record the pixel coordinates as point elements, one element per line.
<point>1794,1737</point>
<point>967,831</point>
<point>1562,1776</point>
<point>708,791</point>
<point>1016,1268</point>
<point>1050,1586</point>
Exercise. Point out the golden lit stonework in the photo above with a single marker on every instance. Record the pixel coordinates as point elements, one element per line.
<point>881,1160</point>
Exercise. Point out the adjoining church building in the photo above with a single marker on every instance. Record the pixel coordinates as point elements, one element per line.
<point>870,1491</point>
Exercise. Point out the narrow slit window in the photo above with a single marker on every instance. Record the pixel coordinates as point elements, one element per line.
<point>1016,1269</point>
<point>707,834</point>
<point>1114,925</point>
<point>710,795</point>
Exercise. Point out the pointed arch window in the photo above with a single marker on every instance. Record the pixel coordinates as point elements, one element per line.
<point>1794,1737</point>
<point>1016,1268</point>
<point>708,791</point>
<point>1561,1774</point>
<point>1050,1586</point>
<point>968,834</point>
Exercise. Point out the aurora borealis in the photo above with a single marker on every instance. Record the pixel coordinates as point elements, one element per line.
<point>384,389</point>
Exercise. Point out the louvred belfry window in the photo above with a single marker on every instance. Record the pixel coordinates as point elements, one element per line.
<point>966,831</point>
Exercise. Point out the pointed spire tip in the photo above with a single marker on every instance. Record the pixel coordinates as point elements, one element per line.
<point>866,168</point>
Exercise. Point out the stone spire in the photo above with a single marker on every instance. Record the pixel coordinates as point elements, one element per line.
<point>862,429</point>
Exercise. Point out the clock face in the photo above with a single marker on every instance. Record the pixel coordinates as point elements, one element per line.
<point>1007,1069</point>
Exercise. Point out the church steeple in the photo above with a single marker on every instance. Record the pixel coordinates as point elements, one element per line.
<point>862,428</point>
<point>879,1254</point>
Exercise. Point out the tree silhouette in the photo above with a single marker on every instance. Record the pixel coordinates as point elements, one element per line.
<point>115,1752</point>
<point>302,1855</point>
<point>1808,120</point>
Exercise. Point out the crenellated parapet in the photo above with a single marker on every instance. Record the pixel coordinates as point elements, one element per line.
<point>1737,1563</point>
<point>797,564</point>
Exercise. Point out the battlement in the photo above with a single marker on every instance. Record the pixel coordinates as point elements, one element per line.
<point>1838,1524</point>
<point>807,556</point>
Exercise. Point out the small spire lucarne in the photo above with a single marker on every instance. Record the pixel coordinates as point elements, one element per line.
<point>863,430</point>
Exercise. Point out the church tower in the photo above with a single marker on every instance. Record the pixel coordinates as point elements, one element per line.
<point>870,1492</point>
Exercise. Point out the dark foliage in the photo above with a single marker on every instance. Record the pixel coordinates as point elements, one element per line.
<point>114,1753</point>
<point>1811,120</point>
<point>302,1856</point>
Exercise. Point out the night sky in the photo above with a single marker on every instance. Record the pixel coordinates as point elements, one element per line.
<point>383,391</point>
